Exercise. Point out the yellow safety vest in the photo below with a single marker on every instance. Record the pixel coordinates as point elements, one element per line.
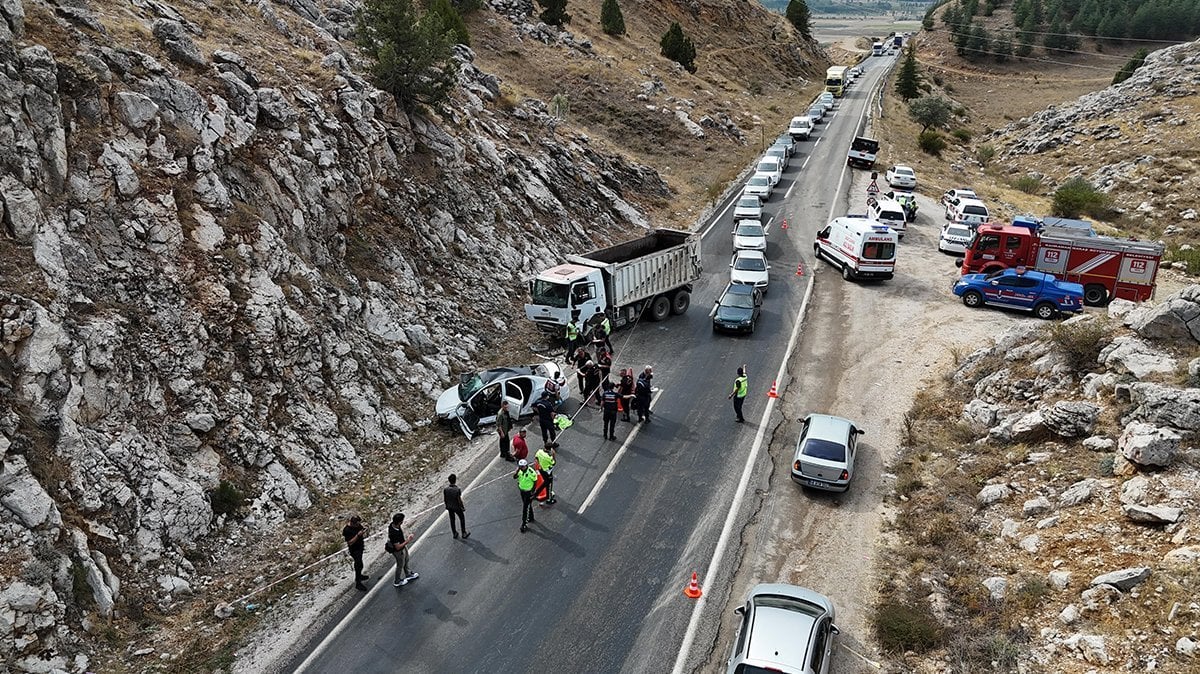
<point>526,479</point>
<point>572,330</point>
<point>743,386</point>
<point>545,461</point>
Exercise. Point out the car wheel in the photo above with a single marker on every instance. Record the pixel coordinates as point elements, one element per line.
<point>680,302</point>
<point>817,250</point>
<point>1045,311</point>
<point>972,299</point>
<point>847,275</point>
<point>1095,295</point>
<point>660,308</point>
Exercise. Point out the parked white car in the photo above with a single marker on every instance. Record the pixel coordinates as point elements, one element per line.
<point>749,235</point>
<point>955,238</point>
<point>901,176</point>
<point>826,99</point>
<point>958,193</point>
<point>748,207</point>
<point>770,167</point>
<point>970,212</point>
<point>749,267</point>
<point>759,186</point>
<point>800,127</point>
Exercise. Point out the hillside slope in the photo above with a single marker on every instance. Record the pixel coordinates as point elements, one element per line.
<point>234,272</point>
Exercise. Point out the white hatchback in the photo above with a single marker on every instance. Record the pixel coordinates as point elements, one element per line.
<point>758,185</point>
<point>749,207</point>
<point>955,238</point>
<point>770,167</point>
<point>826,99</point>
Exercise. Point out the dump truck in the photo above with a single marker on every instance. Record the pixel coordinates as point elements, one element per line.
<point>650,275</point>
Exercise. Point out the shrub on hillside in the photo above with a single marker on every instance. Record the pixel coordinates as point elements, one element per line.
<point>409,52</point>
<point>1081,343</point>
<point>554,12</point>
<point>985,154</point>
<point>961,134</point>
<point>1028,184</point>
<point>1127,70</point>
<point>226,498</point>
<point>611,19</point>
<point>1078,197</point>
<point>679,47</point>
<point>452,20</point>
<point>931,142</point>
<point>904,627</point>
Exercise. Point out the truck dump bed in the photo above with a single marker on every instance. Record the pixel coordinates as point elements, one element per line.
<point>651,265</point>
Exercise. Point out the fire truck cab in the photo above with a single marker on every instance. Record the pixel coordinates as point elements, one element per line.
<point>1104,266</point>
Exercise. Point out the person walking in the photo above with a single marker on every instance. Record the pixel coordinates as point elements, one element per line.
<point>520,448</point>
<point>625,389</point>
<point>526,478</point>
<point>354,532</point>
<point>580,360</point>
<point>504,424</point>
<point>641,393</point>
<point>545,416</point>
<point>545,459</point>
<point>397,544</point>
<point>608,401</point>
<point>452,495</point>
<point>741,386</point>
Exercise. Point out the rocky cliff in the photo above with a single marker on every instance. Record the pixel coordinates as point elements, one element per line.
<point>231,268</point>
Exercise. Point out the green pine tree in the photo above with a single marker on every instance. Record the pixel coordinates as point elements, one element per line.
<point>1025,37</point>
<point>908,80</point>
<point>679,47</point>
<point>979,44</point>
<point>611,19</point>
<point>554,12</point>
<point>798,15</point>
<point>1126,71</point>
<point>409,52</point>
<point>1002,47</point>
<point>452,20</point>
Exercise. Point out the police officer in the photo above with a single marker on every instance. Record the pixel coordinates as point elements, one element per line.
<point>641,393</point>
<point>608,401</point>
<point>526,478</point>
<point>741,386</point>
<point>545,463</point>
<point>545,415</point>
<point>600,328</point>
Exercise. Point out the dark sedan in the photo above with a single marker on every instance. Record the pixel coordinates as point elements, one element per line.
<point>738,308</point>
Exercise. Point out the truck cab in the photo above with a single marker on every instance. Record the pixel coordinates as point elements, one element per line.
<point>564,291</point>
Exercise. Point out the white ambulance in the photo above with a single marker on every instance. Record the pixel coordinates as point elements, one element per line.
<point>863,248</point>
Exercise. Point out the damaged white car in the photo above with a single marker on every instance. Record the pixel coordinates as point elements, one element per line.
<point>476,400</point>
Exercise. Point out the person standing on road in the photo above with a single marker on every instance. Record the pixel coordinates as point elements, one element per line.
<point>625,389</point>
<point>591,378</point>
<point>641,393</point>
<point>545,415</point>
<point>504,423</point>
<point>599,327</point>
<point>452,496</point>
<point>526,478</point>
<point>608,401</point>
<point>354,532</point>
<point>572,334</point>
<point>579,360</point>
<point>604,363</point>
<point>397,544</point>
<point>520,448</point>
<point>545,463</point>
<point>741,386</point>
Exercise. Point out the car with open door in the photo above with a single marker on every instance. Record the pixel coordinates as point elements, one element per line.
<point>475,402</point>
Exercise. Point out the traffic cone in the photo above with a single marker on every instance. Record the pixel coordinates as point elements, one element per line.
<point>785,223</point>
<point>774,392</point>
<point>693,591</point>
<point>800,269</point>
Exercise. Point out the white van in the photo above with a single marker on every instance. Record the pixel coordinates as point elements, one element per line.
<point>800,128</point>
<point>890,213</point>
<point>770,167</point>
<point>970,212</point>
<point>860,246</point>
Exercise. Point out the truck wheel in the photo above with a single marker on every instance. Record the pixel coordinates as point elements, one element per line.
<point>1045,311</point>
<point>972,299</point>
<point>847,275</point>
<point>660,308</point>
<point>680,302</point>
<point>1095,295</point>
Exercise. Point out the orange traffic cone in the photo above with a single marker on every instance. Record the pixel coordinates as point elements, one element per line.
<point>774,392</point>
<point>785,223</point>
<point>800,269</point>
<point>693,591</point>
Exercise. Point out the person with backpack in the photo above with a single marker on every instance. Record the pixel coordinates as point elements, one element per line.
<point>641,393</point>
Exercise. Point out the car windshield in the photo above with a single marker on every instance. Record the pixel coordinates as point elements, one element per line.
<point>468,385</point>
<point>738,300</point>
<point>750,230</point>
<point>864,145</point>
<point>824,449</point>
<point>766,166</point>
<point>974,210</point>
<point>875,250</point>
<point>759,180</point>
<point>748,202</point>
<point>789,604</point>
<point>550,294</point>
<point>962,232</point>
<point>748,263</point>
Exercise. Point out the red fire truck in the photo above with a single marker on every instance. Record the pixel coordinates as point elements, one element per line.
<point>1106,267</point>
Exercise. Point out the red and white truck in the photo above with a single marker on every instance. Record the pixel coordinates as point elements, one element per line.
<point>1105,266</point>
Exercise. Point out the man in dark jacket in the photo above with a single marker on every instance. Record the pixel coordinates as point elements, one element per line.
<point>641,394</point>
<point>545,416</point>
<point>354,532</point>
<point>625,389</point>
<point>452,495</point>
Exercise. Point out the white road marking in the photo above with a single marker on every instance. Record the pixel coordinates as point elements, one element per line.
<point>612,465</point>
<point>727,530</point>
<point>803,166</point>
<point>717,219</point>
<point>789,192</point>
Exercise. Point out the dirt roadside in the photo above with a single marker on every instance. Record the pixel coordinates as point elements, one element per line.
<point>893,338</point>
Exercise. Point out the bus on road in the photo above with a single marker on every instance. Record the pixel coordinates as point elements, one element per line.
<point>835,81</point>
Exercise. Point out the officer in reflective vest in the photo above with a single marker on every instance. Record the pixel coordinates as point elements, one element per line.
<point>526,478</point>
<point>741,386</point>
<point>545,464</point>
<point>572,336</point>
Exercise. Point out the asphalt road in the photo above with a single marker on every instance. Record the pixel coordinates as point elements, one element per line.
<point>599,588</point>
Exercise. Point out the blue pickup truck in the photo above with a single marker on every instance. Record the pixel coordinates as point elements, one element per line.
<point>1043,294</point>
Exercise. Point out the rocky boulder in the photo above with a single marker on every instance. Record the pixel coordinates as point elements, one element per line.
<point>1123,579</point>
<point>1136,357</point>
<point>1070,418</point>
<point>993,493</point>
<point>1148,445</point>
<point>1176,319</point>
<point>176,42</point>
<point>1164,405</point>
<point>1153,515</point>
<point>1078,493</point>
